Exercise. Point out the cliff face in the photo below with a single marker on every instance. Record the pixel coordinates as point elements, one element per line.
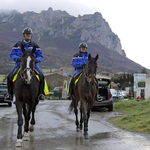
<point>90,28</point>
<point>94,29</point>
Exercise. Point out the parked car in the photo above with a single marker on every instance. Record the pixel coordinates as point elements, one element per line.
<point>3,92</point>
<point>106,96</point>
<point>57,88</point>
<point>124,94</point>
<point>117,94</point>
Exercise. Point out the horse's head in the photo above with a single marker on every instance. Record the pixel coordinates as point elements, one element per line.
<point>27,65</point>
<point>91,68</point>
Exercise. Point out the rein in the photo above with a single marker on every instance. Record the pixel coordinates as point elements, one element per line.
<point>88,76</point>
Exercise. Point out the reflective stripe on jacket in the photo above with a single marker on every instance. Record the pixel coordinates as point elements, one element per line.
<point>16,50</point>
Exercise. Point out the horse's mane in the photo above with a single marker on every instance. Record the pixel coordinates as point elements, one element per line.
<point>28,51</point>
<point>92,60</point>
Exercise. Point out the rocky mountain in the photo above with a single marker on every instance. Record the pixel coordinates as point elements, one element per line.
<point>59,34</point>
<point>90,28</point>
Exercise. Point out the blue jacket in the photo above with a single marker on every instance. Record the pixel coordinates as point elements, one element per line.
<point>78,60</point>
<point>16,52</point>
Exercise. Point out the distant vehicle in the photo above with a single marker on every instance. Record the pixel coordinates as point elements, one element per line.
<point>124,93</point>
<point>3,92</point>
<point>106,96</point>
<point>57,88</point>
<point>117,94</point>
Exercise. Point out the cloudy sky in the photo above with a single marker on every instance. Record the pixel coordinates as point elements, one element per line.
<point>129,19</point>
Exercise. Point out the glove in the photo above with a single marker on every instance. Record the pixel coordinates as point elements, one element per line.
<point>19,59</point>
<point>83,64</point>
<point>36,61</point>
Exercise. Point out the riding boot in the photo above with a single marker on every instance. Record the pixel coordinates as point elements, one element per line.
<point>70,88</point>
<point>9,95</point>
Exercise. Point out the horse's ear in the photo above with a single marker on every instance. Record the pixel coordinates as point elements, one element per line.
<point>96,57</point>
<point>34,49</point>
<point>89,56</point>
<point>22,48</point>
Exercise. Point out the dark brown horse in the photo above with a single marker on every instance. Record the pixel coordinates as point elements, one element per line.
<point>85,92</point>
<point>26,90</point>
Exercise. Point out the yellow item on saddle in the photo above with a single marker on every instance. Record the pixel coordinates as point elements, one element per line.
<point>16,75</point>
<point>46,91</point>
<point>76,81</point>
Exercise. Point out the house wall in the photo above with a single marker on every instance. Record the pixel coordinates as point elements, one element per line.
<point>55,80</point>
<point>147,89</point>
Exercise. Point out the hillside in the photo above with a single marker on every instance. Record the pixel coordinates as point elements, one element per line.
<point>59,55</point>
<point>59,34</point>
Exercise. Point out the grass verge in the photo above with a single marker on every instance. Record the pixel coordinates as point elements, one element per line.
<point>137,118</point>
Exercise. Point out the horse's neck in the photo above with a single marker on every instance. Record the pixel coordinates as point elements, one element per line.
<point>85,78</point>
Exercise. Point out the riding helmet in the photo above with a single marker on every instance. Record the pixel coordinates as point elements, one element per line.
<point>27,30</point>
<point>83,45</point>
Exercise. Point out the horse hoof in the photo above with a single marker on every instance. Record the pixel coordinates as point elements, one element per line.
<point>31,128</point>
<point>80,128</point>
<point>19,143</point>
<point>26,136</point>
<point>86,136</point>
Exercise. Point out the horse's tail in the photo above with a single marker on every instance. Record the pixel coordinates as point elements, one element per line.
<point>70,109</point>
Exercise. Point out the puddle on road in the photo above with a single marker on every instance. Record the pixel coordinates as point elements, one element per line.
<point>101,136</point>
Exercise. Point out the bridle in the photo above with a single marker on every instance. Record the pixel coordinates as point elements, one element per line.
<point>87,76</point>
<point>26,69</point>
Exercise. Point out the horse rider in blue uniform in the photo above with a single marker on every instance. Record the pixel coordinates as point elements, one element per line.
<point>79,61</point>
<point>16,54</point>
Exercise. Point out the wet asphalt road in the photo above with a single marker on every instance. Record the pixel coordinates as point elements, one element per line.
<point>55,130</point>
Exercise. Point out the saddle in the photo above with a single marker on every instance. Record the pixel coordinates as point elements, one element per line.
<point>36,73</point>
<point>15,73</point>
<point>77,77</point>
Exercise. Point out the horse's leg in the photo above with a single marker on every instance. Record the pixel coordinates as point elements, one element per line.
<point>26,126</point>
<point>32,123</point>
<point>89,107</point>
<point>88,113</point>
<point>76,113</point>
<point>84,109</point>
<point>26,135</point>
<point>24,110</point>
<point>20,123</point>
<point>81,118</point>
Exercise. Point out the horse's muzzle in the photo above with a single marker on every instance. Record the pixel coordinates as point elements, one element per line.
<point>92,79</point>
<point>27,75</point>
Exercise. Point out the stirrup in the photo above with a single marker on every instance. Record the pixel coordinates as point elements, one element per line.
<point>41,97</point>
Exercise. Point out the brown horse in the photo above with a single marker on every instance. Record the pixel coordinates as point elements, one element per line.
<point>85,92</point>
